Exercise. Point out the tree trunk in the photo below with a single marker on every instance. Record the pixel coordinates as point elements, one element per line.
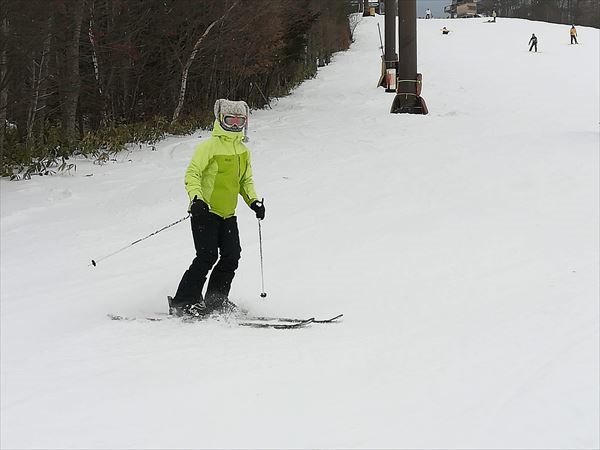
<point>71,82</point>
<point>45,80</point>
<point>96,65</point>
<point>190,60</point>
<point>4,31</point>
<point>39,83</point>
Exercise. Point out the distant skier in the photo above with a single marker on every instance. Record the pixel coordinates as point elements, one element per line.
<point>220,170</point>
<point>573,33</point>
<point>533,42</point>
<point>445,30</point>
<point>428,14</point>
<point>494,15</point>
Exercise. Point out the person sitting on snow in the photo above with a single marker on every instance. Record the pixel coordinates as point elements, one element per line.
<point>445,30</point>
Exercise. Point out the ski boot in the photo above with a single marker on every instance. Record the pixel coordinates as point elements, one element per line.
<point>197,309</point>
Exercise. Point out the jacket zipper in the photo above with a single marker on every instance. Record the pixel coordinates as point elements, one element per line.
<point>238,160</point>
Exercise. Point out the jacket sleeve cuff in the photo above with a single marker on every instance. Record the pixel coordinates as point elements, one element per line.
<point>195,194</point>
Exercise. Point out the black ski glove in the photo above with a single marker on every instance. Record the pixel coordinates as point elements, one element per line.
<point>259,208</point>
<point>198,208</point>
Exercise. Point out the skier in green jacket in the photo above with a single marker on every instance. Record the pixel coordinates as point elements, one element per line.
<point>220,170</point>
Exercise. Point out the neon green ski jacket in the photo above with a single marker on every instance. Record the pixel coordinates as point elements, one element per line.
<point>220,170</point>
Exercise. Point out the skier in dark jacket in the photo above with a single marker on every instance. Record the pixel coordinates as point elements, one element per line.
<point>219,172</point>
<point>533,43</point>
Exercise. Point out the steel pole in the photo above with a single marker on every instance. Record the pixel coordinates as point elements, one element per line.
<point>407,98</point>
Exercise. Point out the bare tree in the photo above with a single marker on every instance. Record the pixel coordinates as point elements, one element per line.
<point>95,62</point>
<point>190,60</point>
<point>39,71</point>
<point>72,17</point>
<point>4,31</point>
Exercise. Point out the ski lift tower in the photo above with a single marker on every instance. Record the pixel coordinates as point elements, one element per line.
<point>408,85</point>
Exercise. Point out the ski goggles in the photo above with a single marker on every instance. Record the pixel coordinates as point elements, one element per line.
<point>234,121</point>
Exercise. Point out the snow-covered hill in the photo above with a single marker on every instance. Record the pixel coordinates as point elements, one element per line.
<point>462,248</point>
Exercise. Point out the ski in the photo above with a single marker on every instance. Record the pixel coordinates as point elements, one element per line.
<point>250,322</point>
<point>276,325</point>
<point>164,316</point>
<point>292,320</point>
<point>243,314</point>
<point>130,319</point>
<point>235,316</point>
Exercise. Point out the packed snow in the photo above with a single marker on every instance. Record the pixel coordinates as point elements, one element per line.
<point>462,248</point>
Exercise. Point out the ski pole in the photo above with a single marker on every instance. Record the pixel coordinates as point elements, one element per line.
<point>380,41</point>
<point>263,294</point>
<point>95,262</point>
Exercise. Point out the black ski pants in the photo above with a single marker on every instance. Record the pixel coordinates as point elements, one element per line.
<point>533,46</point>
<point>573,39</point>
<point>215,239</point>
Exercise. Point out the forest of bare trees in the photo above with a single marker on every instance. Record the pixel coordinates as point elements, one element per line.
<point>580,12</point>
<point>88,76</point>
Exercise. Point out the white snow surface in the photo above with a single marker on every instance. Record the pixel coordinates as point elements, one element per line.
<point>462,248</point>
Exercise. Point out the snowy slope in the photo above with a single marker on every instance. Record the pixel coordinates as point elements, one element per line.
<point>461,246</point>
